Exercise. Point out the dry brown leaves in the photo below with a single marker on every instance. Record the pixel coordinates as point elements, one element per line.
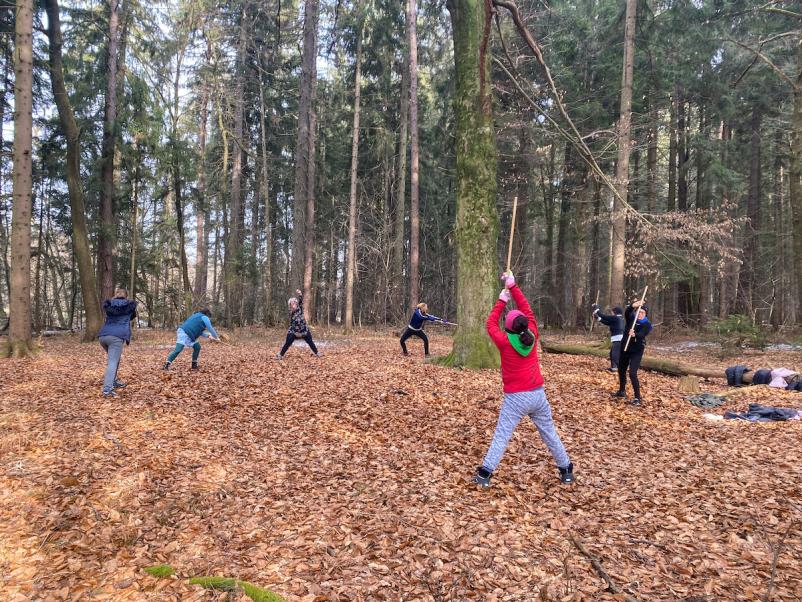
<point>346,478</point>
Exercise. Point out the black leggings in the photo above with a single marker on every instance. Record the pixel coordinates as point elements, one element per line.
<point>631,360</point>
<point>417,333</point>
<point>291,337</point>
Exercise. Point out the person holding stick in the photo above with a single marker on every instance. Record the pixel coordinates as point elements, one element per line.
<point>636,316</point>
<point>115,333</point>
<point>615,322</point>
<point>299,329</point>
<point>419,318</point>
<point>523,384</point>
<point>195,327</point>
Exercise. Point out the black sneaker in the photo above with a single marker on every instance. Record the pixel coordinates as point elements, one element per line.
<point>194,366</point>
<point>118,384</point>
<point>611,369</point>
<point>567,473</point>
<point>482,477</point>
<point>635,402</point>
<point>620,394</point>
<point>166,366</point>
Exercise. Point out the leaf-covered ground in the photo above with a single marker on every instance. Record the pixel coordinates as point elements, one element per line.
<point>346,478</point>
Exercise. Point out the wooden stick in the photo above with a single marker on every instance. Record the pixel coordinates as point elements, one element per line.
<point>593,318</point>
<point>512,234</point>
<point>611,586</point>
<point>635,317</point>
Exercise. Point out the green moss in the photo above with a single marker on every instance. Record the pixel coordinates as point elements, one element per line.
<point>161,571</point>
<point>223,584</point>
<point>258,594</point>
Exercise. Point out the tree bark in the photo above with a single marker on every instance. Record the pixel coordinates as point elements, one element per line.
<point>108,230</point>
<point>80,238</point>
<point>201,208</point>
<point>649,363</point>
<point>267,263</point>
<point>414,188</point>
<point>401,191</point>
<point>20,343</point>
<point>178,184</point>
<point>477,219</point>
<point>618,218</point>
<point>795,173</point>
<point>352,207</point>
<point>751,242</point>
<point>304,197</point>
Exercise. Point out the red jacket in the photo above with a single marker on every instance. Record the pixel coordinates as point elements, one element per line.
<point>518,373</point>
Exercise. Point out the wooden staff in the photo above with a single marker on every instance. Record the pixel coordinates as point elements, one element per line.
<point>593,317</point>
<point>635,318</point>
<point>512,234</point>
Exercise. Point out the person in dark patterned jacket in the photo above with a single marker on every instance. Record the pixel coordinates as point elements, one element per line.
<point>299,329</point>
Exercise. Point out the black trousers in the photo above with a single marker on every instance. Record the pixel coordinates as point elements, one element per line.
<point>416,333</point>
<point>630,359</point>
<point>615,353</point>
<point>291,337</point>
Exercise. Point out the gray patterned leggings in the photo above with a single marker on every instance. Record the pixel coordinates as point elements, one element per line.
<point>514,407</point>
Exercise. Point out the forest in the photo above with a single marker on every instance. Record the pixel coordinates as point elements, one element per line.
<point>228,153</point>
<point>199,173</point>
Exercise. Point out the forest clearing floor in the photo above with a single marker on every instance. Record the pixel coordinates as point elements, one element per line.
<point>347,478</point>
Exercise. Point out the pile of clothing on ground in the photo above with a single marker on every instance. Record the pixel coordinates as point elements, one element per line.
<point>779,378</point>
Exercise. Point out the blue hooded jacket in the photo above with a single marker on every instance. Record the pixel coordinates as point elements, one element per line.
<point>119,313</point>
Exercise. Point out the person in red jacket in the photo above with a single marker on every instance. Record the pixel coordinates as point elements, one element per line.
<point>523,384</point>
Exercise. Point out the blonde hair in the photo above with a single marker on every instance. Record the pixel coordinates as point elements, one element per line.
<point>423,307</point>
<point>292,300</point>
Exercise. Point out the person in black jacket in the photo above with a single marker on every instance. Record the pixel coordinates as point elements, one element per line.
<point>298,329</point>
<point>615,322</point>
<point>418,320</point>
<point>115,333</point>
<point>632,356</point>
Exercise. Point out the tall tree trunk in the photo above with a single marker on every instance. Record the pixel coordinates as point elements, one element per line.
<point>795,175</point>
<point>201,203</point>
<point>400,195</point>
<point>618,218</point>
<point>651,159</point>
<point>267,263</point>
<point>304,197</point>
<point>672,153</point>
<point>477,219</point>
<point>108,227</point>
<point>352,206</point>
<point>414,188</point>
<point>751,250</point>
<point>20,343</point>
<point>134,224</point>
<point>80,238</point>
<point>178,184</point>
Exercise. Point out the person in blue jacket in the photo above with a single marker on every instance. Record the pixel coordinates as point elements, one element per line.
<point>116,333</point>
<point>615,322</point>
<point>188,335</point>
<point>419,318</point>
<point>631,356</point>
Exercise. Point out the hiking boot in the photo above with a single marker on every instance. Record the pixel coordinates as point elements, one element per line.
<point>166,366</point>
<point>118,384</point>
<point>620,394</point>
<point>482,477</point>
<point>194,366</point>
<point>318,354</point>
<point>111,393</point>
<point>567,473</point>
<point>405,353</point>
<point>635,402</point>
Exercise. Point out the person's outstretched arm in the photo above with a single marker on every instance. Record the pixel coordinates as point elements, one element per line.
<point>496,334</point>
<point>522,303</point>
<point>208,324</point>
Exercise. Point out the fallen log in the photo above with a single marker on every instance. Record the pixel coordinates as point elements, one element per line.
<point>648,363</point>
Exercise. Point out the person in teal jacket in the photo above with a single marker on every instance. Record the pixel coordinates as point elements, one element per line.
<point>189,333</point>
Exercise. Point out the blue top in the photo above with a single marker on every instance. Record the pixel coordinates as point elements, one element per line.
<point>195,324</point>
<point>418,318</point>
<point>119,313</point>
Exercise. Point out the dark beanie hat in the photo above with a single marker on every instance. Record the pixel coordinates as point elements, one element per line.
<point>645,308</point>
<point>617,310</point>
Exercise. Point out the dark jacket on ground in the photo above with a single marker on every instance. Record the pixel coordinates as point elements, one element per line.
<point>119,313</point>
<point>642,330</point>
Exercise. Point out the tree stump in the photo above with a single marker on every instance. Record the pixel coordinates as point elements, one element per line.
<point>689,384</point>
